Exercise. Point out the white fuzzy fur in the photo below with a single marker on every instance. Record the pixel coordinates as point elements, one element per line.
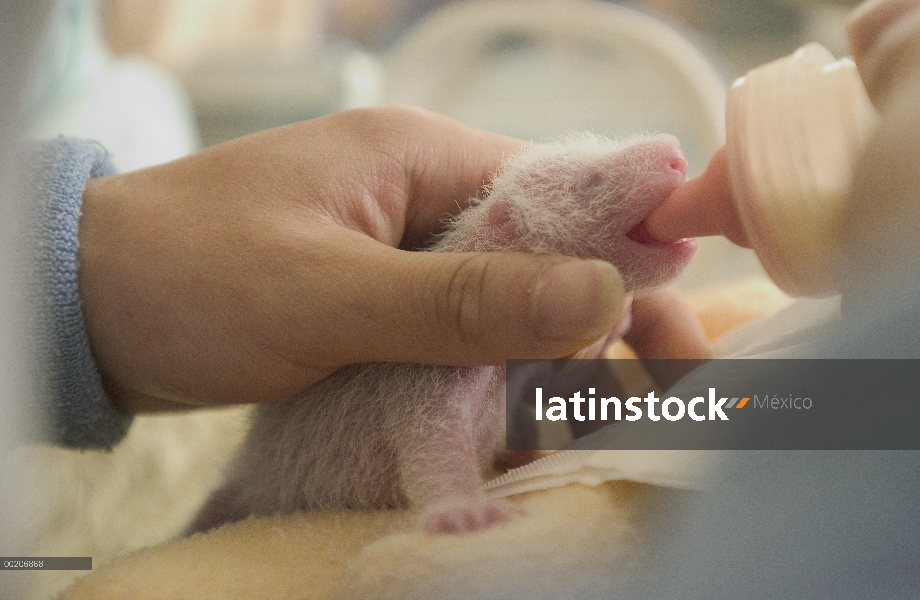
<point>345,443</point>
<point>376,435</point>
<point>577,196</point>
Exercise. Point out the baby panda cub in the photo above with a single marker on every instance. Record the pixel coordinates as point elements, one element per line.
<point>392,435</point>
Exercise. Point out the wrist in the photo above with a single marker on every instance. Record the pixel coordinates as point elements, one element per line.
<point>80,414</point>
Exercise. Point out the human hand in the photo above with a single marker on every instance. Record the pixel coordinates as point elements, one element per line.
<point>665,326</point>
<point>886,47</point>
<point>250,270</point>
<point>882,249</point>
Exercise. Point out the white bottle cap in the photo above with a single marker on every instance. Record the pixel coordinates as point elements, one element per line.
<point>794,128</point>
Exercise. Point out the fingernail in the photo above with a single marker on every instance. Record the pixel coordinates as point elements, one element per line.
<point>577,299</point>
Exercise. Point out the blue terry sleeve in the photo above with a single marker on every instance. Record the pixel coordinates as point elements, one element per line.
<point>78,413</point>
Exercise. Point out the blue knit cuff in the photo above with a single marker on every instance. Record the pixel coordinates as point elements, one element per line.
<point>78,412</point>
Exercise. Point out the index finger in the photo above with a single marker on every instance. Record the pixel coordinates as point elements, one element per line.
<point>446,164</point>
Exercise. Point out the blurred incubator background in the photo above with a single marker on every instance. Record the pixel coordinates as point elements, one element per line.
<point>249,64</point>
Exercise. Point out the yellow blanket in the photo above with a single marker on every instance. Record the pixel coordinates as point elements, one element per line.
<point>574,540</point>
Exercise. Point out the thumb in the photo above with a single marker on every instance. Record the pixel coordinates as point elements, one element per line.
<point>484,308</point>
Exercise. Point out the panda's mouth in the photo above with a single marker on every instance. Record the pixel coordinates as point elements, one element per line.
<point>682,247</point>
<point>640,235</point>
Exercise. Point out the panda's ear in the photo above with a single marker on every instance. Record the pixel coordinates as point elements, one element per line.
<point>500,220</point>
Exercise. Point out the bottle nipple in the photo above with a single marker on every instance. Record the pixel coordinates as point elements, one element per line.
<point>794,128</point>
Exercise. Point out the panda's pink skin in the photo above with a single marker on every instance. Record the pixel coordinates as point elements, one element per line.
<point>386,435</point>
